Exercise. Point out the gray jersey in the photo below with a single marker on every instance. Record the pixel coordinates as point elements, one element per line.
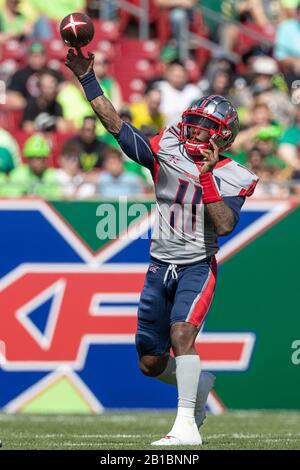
<point>183,233</point>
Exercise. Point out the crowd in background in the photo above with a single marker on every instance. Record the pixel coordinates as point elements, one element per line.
<point>263,83</point>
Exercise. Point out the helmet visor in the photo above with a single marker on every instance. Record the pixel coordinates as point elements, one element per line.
<point>199,128</point>
<point>201,121</point>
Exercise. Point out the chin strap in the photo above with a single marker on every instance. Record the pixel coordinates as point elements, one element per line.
<point>210,190</point>
<point>195,151</point>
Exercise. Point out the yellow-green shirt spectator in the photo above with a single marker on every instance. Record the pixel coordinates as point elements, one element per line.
<point>289,3</point>
<point>26,8</point>
<point>34,178</point>
<point>14,25</point>
<point>23,182</point>
<point>75,108</point>
<point>141,117</point>
<point>57,9</point>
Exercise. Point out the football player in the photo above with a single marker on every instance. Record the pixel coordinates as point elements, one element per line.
<point>199,196</point>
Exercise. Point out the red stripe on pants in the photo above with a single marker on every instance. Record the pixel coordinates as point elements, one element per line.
<point>201,308</point>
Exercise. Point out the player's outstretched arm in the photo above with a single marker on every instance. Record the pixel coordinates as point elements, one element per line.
<point>82,67</point>
<point>107,114</point>
<point>131,140</point>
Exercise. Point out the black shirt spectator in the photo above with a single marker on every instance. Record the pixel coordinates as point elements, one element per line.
<point>25,81</point>
<point>91,149</point>
<point>23,85</point>
<point>44,113</point>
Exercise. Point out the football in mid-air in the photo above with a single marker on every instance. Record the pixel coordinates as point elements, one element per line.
<point>77,29</point>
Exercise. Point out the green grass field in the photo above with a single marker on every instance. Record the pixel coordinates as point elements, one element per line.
<point>234,430</point>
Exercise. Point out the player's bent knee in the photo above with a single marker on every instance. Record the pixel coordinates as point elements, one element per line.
<point>145,344</point>
<point>152,366</point>
<point>183,337</point>
<point>153,351</point>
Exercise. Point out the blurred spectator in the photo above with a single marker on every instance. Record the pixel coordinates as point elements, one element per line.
<point>111,89</point>
<point>146,112</point>
<point>71,92</point>
<point>259,125</point>
<point>130,165</point>
<point>176,93</point>
<point>48,12</point>
<point>114,181</point>
<point>125,114</point>
<point>44,113</point>
<point>109,85</point>
<point>181,13</point>
<point>287,44</point>
<point>255,160</point>
<point>57,9</point>
<point>263,13</point>
<point>289,7</point>
<point>91,150</point>
<point>269,140</point>
<point>220,61</point>
<point>267,149</point>
<point>261,136</point>
<point>289,147</point>
<point>271,180</point>
<point>13,23</point>
<point>69,175</point>
<point>24,83</point>
<point>220,84</point>
<point>268,87</point>
<point>9,152</point>
<point>34,178</point>
<point>270,185</point>
<point>107,9</point>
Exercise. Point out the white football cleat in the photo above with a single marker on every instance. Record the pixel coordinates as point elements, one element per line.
<point>184,433</point>
<point>206,384</point>
<point>176,441</point>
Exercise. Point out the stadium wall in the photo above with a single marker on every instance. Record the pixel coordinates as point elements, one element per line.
<point>68,302</point>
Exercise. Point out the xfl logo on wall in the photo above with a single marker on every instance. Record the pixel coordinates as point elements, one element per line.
<point>68,313</point>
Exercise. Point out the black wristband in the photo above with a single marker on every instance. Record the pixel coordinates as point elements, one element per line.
<point>91,86</point>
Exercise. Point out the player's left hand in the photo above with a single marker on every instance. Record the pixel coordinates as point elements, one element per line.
<point>78,63</point>
<point>211,158</point>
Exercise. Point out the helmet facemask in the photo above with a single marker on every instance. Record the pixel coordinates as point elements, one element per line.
<point>197,129</point>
